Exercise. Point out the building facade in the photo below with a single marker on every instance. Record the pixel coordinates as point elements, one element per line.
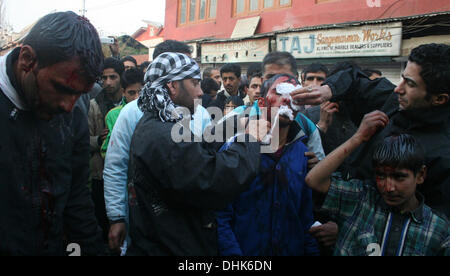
<point>378,34</point>
<point>150,36</point>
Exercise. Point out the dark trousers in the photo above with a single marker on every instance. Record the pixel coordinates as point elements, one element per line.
<point>100,210</point>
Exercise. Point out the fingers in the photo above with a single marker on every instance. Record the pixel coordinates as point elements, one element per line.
<point>312,159</point>
<point>376,119</point>
<point>116,236</point>
<point>313,95</point>
<point>326,234</point>
<point>330,107</point>
<point>113,241</point>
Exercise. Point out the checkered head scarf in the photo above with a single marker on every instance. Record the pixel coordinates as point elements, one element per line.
<point>166,68</point>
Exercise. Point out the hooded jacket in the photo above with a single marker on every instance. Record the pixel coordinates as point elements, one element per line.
<point>44,200</point>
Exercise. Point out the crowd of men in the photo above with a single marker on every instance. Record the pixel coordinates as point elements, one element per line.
<point>357,166</point>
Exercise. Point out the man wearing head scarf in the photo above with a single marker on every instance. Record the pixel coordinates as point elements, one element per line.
<point>175,187</point>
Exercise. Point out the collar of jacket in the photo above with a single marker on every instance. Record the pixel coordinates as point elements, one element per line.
<point>295,133</point>
<point>416,214</point>
<point>434,117</point>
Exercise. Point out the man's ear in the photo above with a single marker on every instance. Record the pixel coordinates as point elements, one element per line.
<point>421,175</point>
<point>440,99</point>
<point>173,91</point>
<point>27,59</point>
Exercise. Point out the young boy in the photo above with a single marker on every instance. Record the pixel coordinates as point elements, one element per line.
<point>389,218</point>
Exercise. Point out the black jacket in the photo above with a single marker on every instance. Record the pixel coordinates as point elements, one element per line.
<point>340,130</point>
<point>44,199</point>
<point>431,127</point>
<point>175,188</point>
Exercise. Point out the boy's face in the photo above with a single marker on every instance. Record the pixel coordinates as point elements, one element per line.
<point>398,186</point>
<point>131,93</point>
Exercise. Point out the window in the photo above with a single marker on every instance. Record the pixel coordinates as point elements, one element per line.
<point>183,10</point>
<point>196,11</point>
<point>202,9</point>
<point>268,4</point>
<point>254,5</point>
<point>245,7</point>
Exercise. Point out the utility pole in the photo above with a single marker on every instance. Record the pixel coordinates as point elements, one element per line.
<point>83,11</point>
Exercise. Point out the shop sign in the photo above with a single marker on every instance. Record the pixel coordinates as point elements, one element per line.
<point>364,41</point>
<point>251,50</point>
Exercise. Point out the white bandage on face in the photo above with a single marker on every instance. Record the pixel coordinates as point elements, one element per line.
<point>285,89</point>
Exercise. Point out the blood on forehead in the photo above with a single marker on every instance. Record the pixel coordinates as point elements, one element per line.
<point>77,82</point>
<point>72,79</point>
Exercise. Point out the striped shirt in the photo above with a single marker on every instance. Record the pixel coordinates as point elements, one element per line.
<point>367,226</point>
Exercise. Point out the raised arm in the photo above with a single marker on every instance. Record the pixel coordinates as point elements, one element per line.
<point>319,177</point>
<point>348,85</point>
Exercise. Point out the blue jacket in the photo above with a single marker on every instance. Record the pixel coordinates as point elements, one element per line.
<point>274,215</point>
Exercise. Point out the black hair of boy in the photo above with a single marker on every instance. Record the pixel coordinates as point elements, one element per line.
<point>130,77</point>
<point>115,64</point>
<point>130,59</point>
<point>400,151</point>
<point>236,100</point>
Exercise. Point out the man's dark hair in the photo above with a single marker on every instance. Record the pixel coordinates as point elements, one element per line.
<point>130,77</point>
<point>231,68</point>
<point>129,58</point>
<point>61,36</point>
<point>209,85</point>
<point>255,68</point>
<point>434,60</point>
<point>113,63</point>
<point>399,151</point>
<point>207,73</point>
<point>254,75</point>
<point>173,46</point>
<point>369,72</point>
<point>315,68</point>
<point>280,58</point>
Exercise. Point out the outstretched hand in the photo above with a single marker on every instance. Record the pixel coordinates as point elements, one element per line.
<point>313,95</point>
